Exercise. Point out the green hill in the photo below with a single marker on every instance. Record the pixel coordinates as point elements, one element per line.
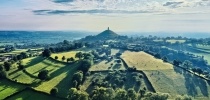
<point>107,34</point>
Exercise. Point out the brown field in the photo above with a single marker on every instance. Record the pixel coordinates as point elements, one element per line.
<point>168,79</point>
<point>144,61</point>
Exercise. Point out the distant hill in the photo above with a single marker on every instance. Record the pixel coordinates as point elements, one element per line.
<point>103,36</point>
<point>107,34</point>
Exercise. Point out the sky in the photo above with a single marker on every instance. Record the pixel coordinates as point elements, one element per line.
<point>97,15</point>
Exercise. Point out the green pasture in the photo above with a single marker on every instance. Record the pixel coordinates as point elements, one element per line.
<point>8,88</point>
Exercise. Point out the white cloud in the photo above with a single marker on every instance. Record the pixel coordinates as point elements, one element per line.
<point>121,15</point>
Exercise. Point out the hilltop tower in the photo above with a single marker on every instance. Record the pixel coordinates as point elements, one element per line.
<point>107,34</point>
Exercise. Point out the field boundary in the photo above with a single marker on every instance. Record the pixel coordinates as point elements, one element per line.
<point>191,72</point>
<point>20,83</point>
<point>140,71</point>
<point>126,70</point>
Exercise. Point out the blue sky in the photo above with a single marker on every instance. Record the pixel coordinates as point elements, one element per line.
<point>97,15</point>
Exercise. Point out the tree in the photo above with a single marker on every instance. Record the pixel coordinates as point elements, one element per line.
<point>70,59</point>
<point>66,42</point>
<point>75,94</point>
<point>46,53</point>
<point>156,96</point>
<point>75,84</point>
<point>24,55</point>
<point>194,70</point>
<point>43,75</point>
<point>7,66</point>
<point>79,55</point>
<point>54,91</point>
<point>165,59</point>
<point>157,55</point>
<point>131,94</point>
<point>176,62</point>
<point>20,66</point>
<point>187,64</point>
<point>118,54</point>
<point>78,76</point>
<point>14,58</point>
<point>121,94</point>
<point>19,57</point>
<point>87,55</point>
<point>84,66</point>
<point>199,70</point>
<point>3,74</point>
<point>142,92</point>
<point>118,61</point>
<point>1,68</point>
<point>56,57</point>
<point>63,58</point>
<point>101,94</point>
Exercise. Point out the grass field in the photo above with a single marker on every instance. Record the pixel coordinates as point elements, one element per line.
<point>47,64</point>
<point>60,74</point>
<point>200,50</point>
<point>166,78</point>
<point>66,54</point>
<point>60,78</point>
<point>104,65</point>
<point>171,41</point>
<point>31,95</point>
<point>204,47</point>
<point>144,61</point>
<point>174,41</point>
<point>17,51</point>
<point>22,77</point>
<point>8,88</point>
<point>114,51</point>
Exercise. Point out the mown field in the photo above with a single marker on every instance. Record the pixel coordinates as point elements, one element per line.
<point>23,77</point>
<point>31,95</point>
<point>200,50</point>
<point>17,51</point>
<point>167,79</point>
<point>144,61</point>
<point>66,54</point>
<point>170,40</point>
<point>60,75</point>
<point>60,78</point>
<point>8,88</point>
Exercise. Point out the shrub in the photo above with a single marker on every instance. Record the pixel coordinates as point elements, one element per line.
<point>56,57</point>
<point>7,66</point>
<point>43,75</point>
<point>3,74</point>
<point>156,96</point>
<point>54,91</point>
<point>20,67</point>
